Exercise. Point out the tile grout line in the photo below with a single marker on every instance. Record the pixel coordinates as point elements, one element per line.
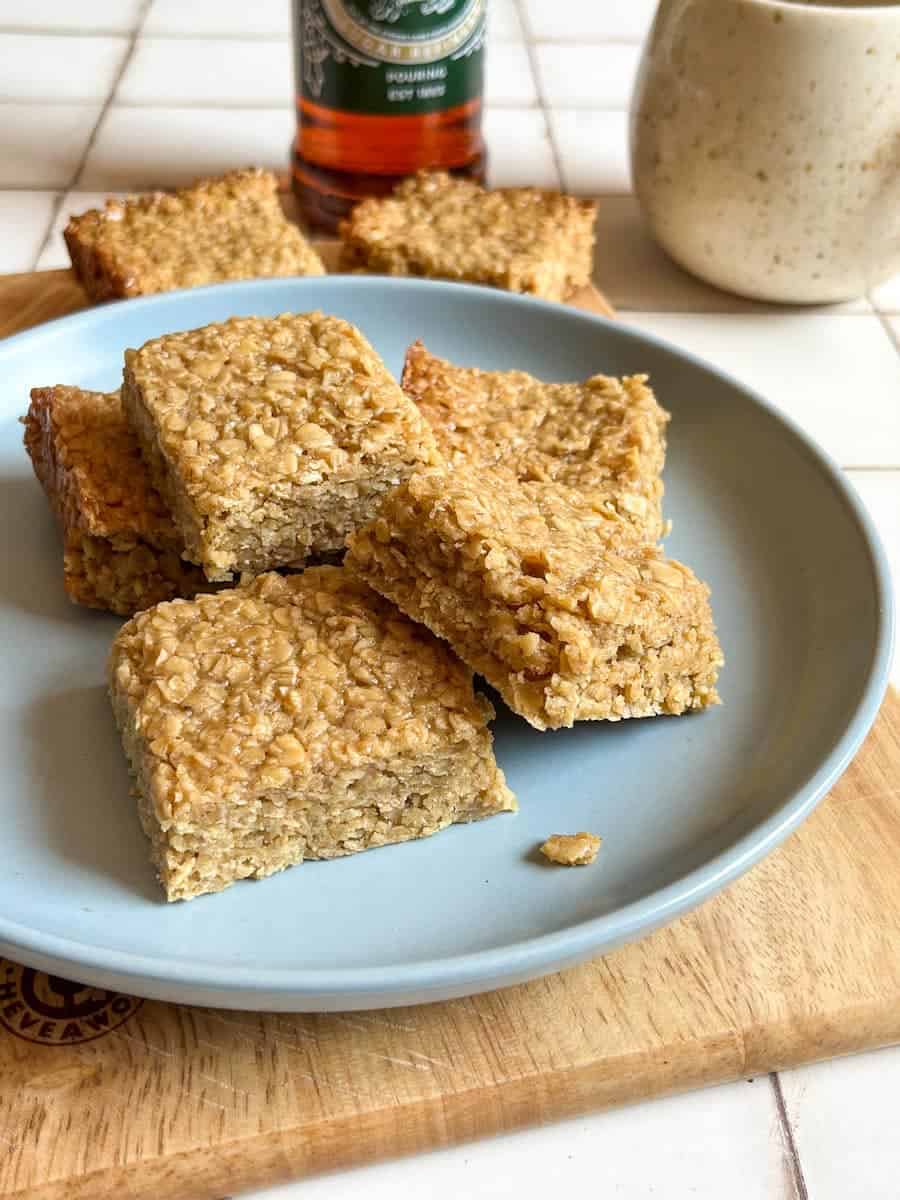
<point>522,14</point>
<point>237,105</point>
<point>193,35</point>
<point>888,328</point>
<point>798,1179</point>
<point>89,144</point>
<point>54,213</point>
<point>68,31</point>
<point>186,36</point>
<point>588,40</point>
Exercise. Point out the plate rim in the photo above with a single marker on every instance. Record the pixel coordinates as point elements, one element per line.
<point>481,970</point>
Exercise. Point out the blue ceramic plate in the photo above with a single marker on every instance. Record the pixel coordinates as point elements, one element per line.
<point>802,600</point>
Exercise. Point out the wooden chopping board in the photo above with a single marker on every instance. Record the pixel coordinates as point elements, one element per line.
<point>36,296</point>
<point>106,1096</point>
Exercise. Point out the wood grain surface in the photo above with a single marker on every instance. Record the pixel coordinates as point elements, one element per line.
<point>799,960</point>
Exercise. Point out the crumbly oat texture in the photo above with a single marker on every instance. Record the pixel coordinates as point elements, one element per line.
<point>568,613</point>
<point>218,229</point>
<point>271,438</point>
<point>605,437</point>
<point>571,849</point>
<point>294,718</point>
<point>124,580</point>
<point>121,549</point>
<point>521,239</point>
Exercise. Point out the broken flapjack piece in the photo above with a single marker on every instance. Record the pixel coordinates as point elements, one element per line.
<point>571,849</point>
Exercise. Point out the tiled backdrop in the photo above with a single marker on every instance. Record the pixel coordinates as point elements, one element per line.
<point>113,95</point>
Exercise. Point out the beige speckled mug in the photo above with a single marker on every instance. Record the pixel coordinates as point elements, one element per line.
<point>765,144</point>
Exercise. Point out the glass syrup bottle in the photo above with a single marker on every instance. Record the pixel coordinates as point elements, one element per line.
<point>383,88</point>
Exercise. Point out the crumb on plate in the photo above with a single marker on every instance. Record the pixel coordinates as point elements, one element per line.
<point>571,849</point>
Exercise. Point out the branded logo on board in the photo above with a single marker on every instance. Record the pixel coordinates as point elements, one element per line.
<point>55,1012</point>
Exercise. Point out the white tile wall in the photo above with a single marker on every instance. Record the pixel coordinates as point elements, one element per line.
<point>239,73</point>
<point>844,1118</point>
<point>887,295</point>
<point>219,18</point>
<point>41,145</point>
<point>593,150</point>
<point>99,16</point>
<point>594,20</point>
<point>48,69</point>
<point>587,76</point>
<point>206,86</point>
<point>503,22</point>
<point>24,217</point>
<point>837,376</point>
<point>138,148</point>
<point>519,146</point>
<point>509,79</point>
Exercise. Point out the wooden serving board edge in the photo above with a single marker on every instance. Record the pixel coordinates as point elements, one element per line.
<point>28,299</point>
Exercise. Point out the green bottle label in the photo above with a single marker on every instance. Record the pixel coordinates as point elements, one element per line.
<point>399,57</point>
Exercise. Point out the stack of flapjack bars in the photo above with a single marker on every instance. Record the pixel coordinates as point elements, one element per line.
<point>275,709</point>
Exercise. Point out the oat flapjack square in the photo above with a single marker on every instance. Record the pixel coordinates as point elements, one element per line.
<point>566,611</point>
<point>605,437</point>
<point>291,719</point>
<point>220,229</point>
<point>271,438</point>
<point>522,239</point>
